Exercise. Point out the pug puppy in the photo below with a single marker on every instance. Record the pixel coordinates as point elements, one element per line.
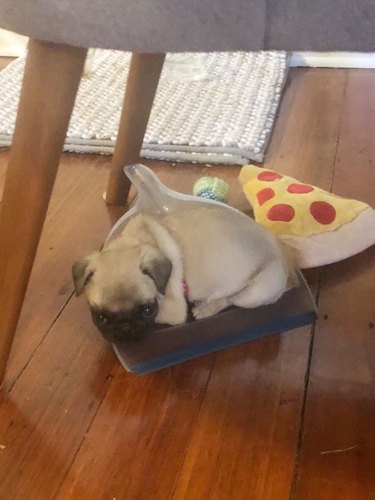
<point>210,256</point>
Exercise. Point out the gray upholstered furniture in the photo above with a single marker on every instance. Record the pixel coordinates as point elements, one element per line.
<point>61,30</point>
<point>197,25</point>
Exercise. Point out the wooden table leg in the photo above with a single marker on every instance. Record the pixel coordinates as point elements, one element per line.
<point>51,80</point>
<point>141,87</point>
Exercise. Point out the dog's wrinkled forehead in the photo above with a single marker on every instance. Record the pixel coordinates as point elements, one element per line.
<point>114,298</point>
<point>119,284</point>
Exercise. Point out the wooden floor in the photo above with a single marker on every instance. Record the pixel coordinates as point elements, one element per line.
<point>291,416</point>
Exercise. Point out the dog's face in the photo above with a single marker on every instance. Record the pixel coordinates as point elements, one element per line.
<point>122,285</point>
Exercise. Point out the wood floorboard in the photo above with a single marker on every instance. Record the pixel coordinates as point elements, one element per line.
<point>4,61</point>
<point>340,407</point>
<point>3,162</point>
<point>75,425</point>
<point>46,414</point>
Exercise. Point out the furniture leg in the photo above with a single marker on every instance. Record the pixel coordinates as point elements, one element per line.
<point>144,73</point>
<point>51,80</point>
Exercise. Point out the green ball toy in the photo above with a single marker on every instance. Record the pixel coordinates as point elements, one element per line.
<point>211,188</point>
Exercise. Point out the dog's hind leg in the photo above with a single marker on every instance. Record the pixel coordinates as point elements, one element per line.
<point>266,287</point>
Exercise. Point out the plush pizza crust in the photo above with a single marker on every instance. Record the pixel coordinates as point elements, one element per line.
<point>326,248</point>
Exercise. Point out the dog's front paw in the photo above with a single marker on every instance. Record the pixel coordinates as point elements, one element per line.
<point>207,309</point>
<point>172,312</point>
<point>203,310</point>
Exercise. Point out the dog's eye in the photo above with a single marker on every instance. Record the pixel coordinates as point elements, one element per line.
<point>148,310</point>
<point>103,318</point>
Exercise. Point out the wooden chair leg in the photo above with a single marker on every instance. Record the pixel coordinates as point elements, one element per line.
<point>51,80</point>
<point>141,87</point>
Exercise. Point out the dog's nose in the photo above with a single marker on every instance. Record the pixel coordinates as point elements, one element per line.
<point>120,336</point>
<point>115,327</point>
<point>121,332</point>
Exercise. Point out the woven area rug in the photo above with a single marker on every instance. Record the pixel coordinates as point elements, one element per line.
<point>225,115</point>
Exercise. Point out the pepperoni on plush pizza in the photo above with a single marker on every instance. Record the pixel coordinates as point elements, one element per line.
<point>281,212</point>
<point>323,212</point>
<point>299,188</point>
<point>269,176</point>
<point>264,195</point>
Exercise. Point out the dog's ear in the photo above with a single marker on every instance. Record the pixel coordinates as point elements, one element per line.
<point>159,268</point>
<point>82,271</point>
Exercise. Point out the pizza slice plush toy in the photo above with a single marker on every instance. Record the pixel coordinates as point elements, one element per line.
<point>322,227</point>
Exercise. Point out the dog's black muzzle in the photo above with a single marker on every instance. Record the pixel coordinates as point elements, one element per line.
<point>119,327</point>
